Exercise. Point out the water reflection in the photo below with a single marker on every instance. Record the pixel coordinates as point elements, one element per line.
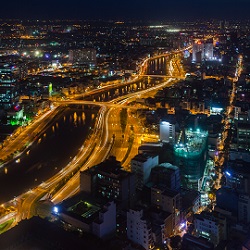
<point>75,119</point>
<point>58,143</point>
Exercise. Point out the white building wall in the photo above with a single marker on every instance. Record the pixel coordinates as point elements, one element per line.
<point>197,204</point>
<point>167,132</point>
<point>138,230</point>
<point>197,47</point>
<point>209,51</point>
<point>142,169</point>
<point>106,225</point>
<point>208,229</point>
<point>213,229</point>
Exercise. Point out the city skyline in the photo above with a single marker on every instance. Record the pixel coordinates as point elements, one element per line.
<point>143,10</point>
<point>125,125</point>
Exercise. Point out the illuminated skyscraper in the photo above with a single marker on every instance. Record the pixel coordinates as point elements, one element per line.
<point>198,51</point>
<point>209,50</point>
<point>191,157</point>
<point>9,95</point>
<point>202,51</point>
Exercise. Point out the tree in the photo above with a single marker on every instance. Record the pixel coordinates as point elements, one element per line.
<point>123,119</point>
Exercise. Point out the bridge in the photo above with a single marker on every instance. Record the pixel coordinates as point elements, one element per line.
<point>153,71</point>
<point>167,64</point>
<point>107,104</point>
<point>165,77</point>
<point>113,91</point>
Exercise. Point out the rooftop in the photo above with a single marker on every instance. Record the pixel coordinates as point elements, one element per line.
<point>195,143</point>
<point>143,157</point>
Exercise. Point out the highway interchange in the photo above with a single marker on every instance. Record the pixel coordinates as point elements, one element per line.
<point>106,139</point>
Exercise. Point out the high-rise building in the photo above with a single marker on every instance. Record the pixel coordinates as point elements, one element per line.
<point>95,216</point>
<point>141,166</point>
<point>167,132</point>
<point>191,242</point>
<point>166,174</point>
<point>198,51</point>
<point>108,180</point>
<point>191,157</point>
<point>9,95</point>
<point>202,50</point>
<point>243,135</point>
<point>83,56</point>
<point>208,50</point>
<point>242,124</point>
<point>149,227</point>
<point>227,199</point>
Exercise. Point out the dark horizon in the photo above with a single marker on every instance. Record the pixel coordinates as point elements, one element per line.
<point>178,10</point>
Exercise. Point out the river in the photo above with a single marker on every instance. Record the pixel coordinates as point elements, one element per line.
<point>52,150</point>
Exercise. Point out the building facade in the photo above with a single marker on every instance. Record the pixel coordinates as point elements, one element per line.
<point>191,157</point>
<point>198,51</point>
<point>139,229</point>
<point>212,226</point>
<point>166,174</point>
<point>169,201</point>
<point>91,217</point>
<point>108,180</point>
<point>141,166</point>
<point>167,132</point>
<point>9,90</point>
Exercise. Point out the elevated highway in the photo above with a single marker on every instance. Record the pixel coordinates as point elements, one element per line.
<point>108,98</point>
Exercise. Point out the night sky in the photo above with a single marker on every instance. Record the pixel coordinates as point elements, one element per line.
<point>125,9</point>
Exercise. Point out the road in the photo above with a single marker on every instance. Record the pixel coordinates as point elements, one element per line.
<point>108,144</point>
<point>24,137</point>
<point>95,150</point>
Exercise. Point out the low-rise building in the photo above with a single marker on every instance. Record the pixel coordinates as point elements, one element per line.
<point>212,226</point>
<point>167,200</point>
<point>191,242</point>
<point>149,227</point>
<point>139,229</point>
<point>89,215</point>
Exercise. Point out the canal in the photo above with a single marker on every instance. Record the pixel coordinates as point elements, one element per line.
<point>51,151</point>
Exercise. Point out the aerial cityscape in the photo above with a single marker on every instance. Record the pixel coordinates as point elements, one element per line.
<point>125,130</point>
